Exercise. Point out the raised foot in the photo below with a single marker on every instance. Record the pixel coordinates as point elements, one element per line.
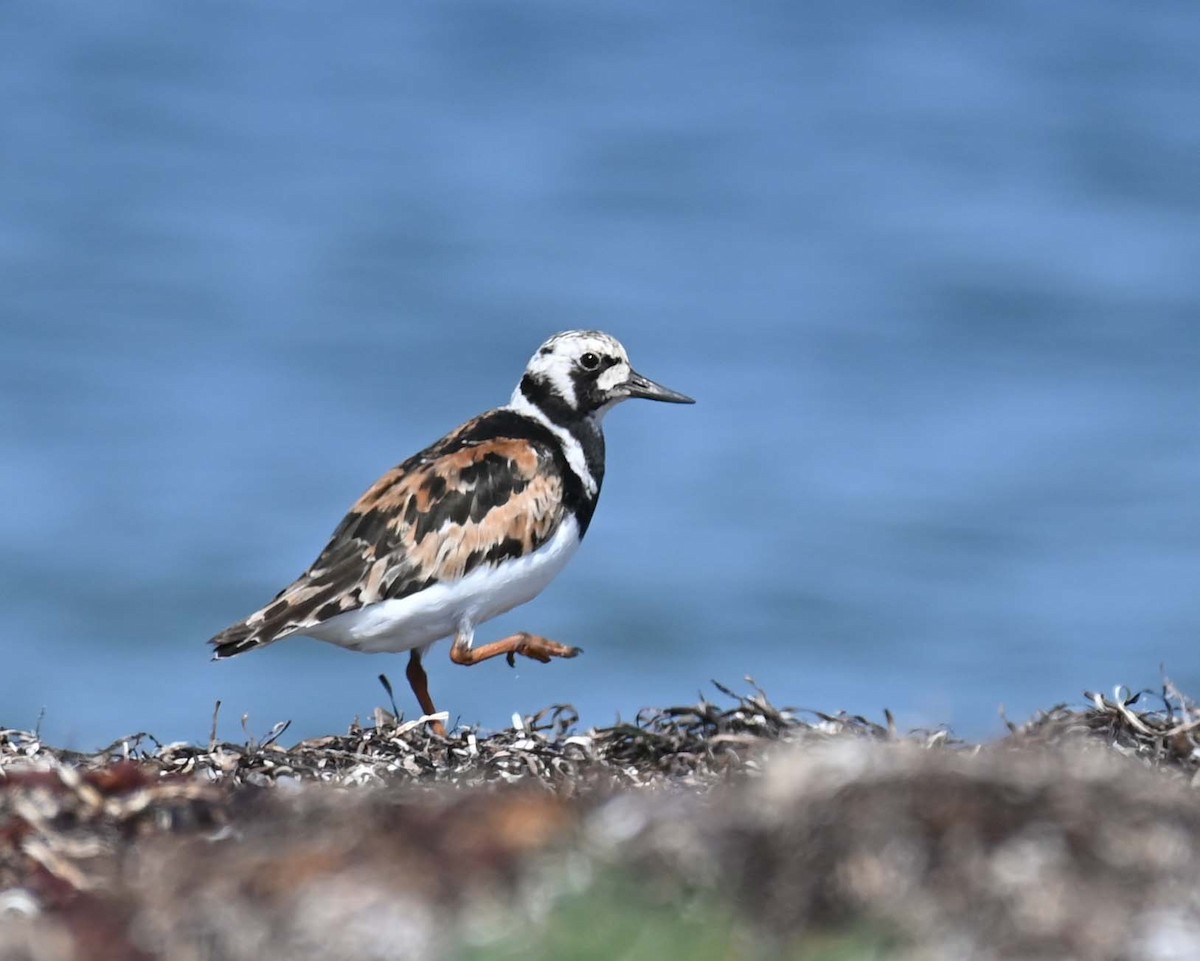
<point>538,648</point>
<point>527,645</point>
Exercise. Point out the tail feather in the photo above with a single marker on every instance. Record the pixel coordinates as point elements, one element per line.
<point>261,628</point>
<point>328,588</point>
<point>299,605</point>
<point>239,638</point>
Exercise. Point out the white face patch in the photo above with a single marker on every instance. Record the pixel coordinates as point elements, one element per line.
<point>618,373</point>
<point>555,368</point>
<point>558,359</point>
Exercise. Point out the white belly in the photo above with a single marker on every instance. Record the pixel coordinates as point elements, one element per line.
<point>441,610</point>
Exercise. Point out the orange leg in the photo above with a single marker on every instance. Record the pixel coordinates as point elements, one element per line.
<point>419,683</point>
<point>523,643</point>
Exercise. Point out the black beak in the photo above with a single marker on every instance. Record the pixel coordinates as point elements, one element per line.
<point>639,386</point>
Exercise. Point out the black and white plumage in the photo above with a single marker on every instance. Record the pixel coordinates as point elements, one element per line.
<point>475,524</point>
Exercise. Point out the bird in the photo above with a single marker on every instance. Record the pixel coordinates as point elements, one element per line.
<point>472,526</point>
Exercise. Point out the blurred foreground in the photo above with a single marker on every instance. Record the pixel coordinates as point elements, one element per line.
<point>710,831</point>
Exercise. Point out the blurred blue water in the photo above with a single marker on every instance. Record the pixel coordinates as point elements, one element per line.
<point>932,275</point>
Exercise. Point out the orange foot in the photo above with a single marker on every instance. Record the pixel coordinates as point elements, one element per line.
<point>527,645</point>
<point>539,648</point>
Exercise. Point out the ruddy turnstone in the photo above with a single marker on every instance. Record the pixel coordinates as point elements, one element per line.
<point>475,524</point>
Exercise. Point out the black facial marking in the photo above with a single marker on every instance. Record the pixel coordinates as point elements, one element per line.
<point>587,392</point>
<point>539,393</point>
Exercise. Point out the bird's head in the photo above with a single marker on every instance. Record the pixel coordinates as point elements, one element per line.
<point>585,373</point>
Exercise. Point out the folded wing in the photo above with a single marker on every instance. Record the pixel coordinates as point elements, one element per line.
<point>432,519</point>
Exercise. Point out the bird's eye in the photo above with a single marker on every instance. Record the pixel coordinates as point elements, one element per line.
<point>589,361</point>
